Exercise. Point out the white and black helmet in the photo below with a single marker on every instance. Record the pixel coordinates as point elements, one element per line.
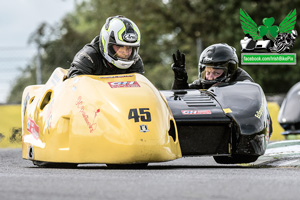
<point>120,31</point>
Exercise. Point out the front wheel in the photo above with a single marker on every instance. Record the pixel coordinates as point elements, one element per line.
<point>54,165</point>
<point>235,159</point>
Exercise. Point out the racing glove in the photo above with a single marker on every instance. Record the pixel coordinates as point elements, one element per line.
<point>179,66</point>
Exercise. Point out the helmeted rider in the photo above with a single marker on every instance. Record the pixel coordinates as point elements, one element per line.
<point>285,41</point>
<point>114,51</point>
<point>217,63</point>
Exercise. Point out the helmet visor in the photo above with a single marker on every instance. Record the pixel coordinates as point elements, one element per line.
<point>125,53</point>
<point>223,66</point>
<point>213,73</point>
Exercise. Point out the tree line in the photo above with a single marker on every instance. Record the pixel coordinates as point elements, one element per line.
<point>165,26</point>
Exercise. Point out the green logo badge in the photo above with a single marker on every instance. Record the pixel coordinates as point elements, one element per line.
<point>268,37</point>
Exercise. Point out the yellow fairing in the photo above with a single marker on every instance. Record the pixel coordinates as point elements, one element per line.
<point>115,119</point>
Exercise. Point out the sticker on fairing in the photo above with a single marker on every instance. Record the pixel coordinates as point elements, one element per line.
<point>121,76</point>
<point>227,110</point>
<point>33,128</point>
<point>196,112</point>
<point>92,125</point>
<point>144,128</point>
<point>123,84</point>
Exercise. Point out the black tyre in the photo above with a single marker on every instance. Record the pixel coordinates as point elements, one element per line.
<point>127,166</point>
<point>54,165</point>
<point>235,159</point>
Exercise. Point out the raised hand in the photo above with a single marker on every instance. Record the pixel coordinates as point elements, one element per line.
<point>179,66</point>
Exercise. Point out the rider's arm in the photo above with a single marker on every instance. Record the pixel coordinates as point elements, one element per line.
<point>83,62</point>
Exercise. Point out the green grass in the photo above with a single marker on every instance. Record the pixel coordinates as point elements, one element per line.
<point>10,126</point>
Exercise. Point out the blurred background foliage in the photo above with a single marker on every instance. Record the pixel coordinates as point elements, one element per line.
<point>165,25</point>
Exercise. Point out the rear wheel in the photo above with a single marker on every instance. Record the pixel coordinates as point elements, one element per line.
<point>54,165</point>
<point>127,166</point>
<point>235,159</point>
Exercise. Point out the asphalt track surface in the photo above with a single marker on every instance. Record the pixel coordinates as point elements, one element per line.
<point>185,178</point>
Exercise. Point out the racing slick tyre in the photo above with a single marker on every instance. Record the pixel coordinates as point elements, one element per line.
<point>235,159</point>
<point>54,165</point>
<point>127,166</point>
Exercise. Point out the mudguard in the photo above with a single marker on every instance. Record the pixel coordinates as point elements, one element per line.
<point>229,120</point>
<point>289,113</point>
<point>116,119</point>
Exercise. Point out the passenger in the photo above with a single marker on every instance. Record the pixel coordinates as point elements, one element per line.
<point>217,63</point>
<point>114,51</point>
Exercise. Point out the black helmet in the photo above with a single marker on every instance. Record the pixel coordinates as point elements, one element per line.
<point>218,56</point>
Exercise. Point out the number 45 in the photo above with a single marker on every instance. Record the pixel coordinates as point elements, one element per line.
<point>141,113</point>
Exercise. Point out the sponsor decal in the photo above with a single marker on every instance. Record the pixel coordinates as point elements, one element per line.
<point>33,128</point>
<point>121,76</point>
<point>268,44</point>
<point>207,59</point>
<point>144,128</point>
<point>49,116</point>
<point>196,112</point>
<point>259,113</point>
<point>268,131</point>
<point>123,84</point>
<point>80,106</point>
<point>130,37</point>
<point>227,110</point>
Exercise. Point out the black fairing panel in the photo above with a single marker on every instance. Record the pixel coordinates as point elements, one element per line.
<point>247,104</point>
<point>193,105</point>
<point>203,127</point>
<point>224,120</point>
<point>290,109</point>
<point>242,102</point>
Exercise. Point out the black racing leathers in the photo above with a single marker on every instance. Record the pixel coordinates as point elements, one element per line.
<point>240,75</point>
<point>89,60</point>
